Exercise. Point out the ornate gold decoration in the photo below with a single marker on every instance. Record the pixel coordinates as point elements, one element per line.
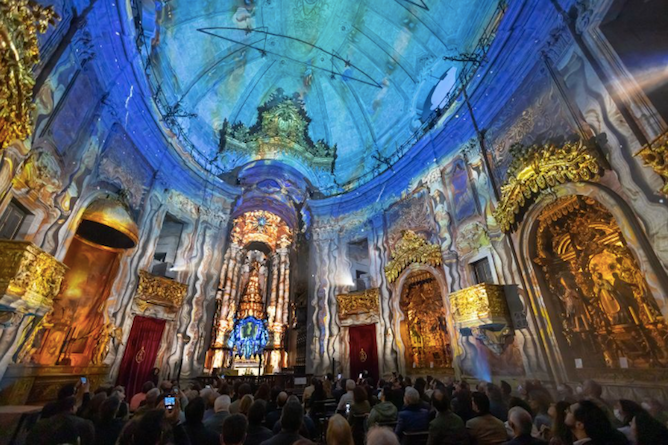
<point>606,309</point>
<point>106,334</point>
<point>29,274</point>
<point>479,305</point>
<point>262,226</point>
<point>20,23</point>
<point>411,248</point>
<point>655,155</point>
<point>252,303</point>
<point>281,128</point>
<point>364,302</point>
<point>424,325</point>
<point>537,168</point>
<point>363,355</point>
<point>160,291</point>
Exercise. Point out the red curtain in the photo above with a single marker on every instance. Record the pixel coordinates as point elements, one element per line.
<point>140,354</point>
<point>363,351</point>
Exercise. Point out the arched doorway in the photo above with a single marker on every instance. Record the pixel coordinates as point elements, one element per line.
<point>601,307</point>
<point>424,328</point>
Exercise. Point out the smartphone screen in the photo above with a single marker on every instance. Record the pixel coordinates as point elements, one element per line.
<point>83,380</point>
<point>360,377</point>
<point>169,402</point>
<point>339,377</point>
<point>348,408</point>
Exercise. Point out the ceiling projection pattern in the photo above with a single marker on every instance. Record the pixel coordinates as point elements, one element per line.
<point>364,72</point>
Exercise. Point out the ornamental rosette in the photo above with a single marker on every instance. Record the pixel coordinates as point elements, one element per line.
<point>20,23</point>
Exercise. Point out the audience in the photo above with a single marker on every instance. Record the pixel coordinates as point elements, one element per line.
<point>221,408</point>
<point>385,411</point>
<point>234,430</point>
<point>348,397</point>
<point>413,417</point>
<point>256,432</point>
<point>521,423</point>
<point>589,424</point>
<point>195,429</point>
<point>447,428</point>
<point>484,428</point>
<point>338,431</point>
<point>292,417</point>
<point>429,413</point>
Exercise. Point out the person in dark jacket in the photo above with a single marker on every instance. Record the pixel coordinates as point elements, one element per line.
<point>256,433</point>
<point>108,426</point>
<point>589,421</point>
<point>62,426</point>
<point>291,420</point>
<point>197,432</point>
<point>234,430</point>
<point>413,417</point>
<point>521,423</point>
<point>447,428</point>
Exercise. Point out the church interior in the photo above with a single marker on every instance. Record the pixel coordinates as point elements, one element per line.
<point>292,188</point>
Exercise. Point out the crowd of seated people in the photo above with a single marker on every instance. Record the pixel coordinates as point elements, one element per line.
<point>347,412</point>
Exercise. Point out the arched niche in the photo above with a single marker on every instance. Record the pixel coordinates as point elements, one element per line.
<point>607,224</point>
<point>432,306</point>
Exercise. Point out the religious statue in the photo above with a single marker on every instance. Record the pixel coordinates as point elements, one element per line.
<point>102,347</point>
<point>576,315</point>
<point>608,299</point>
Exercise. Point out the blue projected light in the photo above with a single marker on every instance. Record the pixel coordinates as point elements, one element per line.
<point>249,336</point>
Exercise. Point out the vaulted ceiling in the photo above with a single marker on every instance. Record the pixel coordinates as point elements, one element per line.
<point>368,72</point>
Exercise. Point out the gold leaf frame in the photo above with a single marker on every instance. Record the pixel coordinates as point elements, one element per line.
<point>478,305</point>
<point>412,248</point>
<point>541,167</point>
<point>159,291</point>
<point>365,302</point>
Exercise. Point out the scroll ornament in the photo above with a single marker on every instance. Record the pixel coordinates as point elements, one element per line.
<point>536,168</point>
<point>655,155</point>
<point>411,248</point>
<point>20,23</point>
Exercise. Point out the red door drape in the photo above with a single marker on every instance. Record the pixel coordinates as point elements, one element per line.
<point>363,351</point>
<point>140,353</point>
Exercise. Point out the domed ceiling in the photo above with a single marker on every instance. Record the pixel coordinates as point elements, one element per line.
<point>346,82</point>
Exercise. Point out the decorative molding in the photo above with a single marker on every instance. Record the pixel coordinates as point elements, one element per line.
<point>30,275</point>
<point>20,23</point>
<point>536,168</point>
<point>411,248</point>
<point>480,305</point>
<point>365,302</point>
<point>655,155</point>
<point>159,291</point>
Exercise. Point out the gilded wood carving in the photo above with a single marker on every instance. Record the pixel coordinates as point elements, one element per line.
<point>655,155</point>
<point>20,23</point>
<point>478,305</point>
<point>160,291</point>
<point>537,168</point>
<point>365,302</point>
<point>29,273</point>
<point>411,248</point>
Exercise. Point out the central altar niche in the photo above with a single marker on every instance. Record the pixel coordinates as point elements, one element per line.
<point>253,297</point>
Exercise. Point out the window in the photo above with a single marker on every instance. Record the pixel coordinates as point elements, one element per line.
<point>168,245</point>
<point>12,220</point>
<point>358,254</point>
<point>482,271</point>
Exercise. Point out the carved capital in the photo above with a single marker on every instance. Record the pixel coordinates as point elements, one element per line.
<point>29,277</point>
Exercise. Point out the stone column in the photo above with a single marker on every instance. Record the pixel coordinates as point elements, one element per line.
<point>281,287</point>
<point>234,292</point>
<point>286,291</point>
<point>271,307</point>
